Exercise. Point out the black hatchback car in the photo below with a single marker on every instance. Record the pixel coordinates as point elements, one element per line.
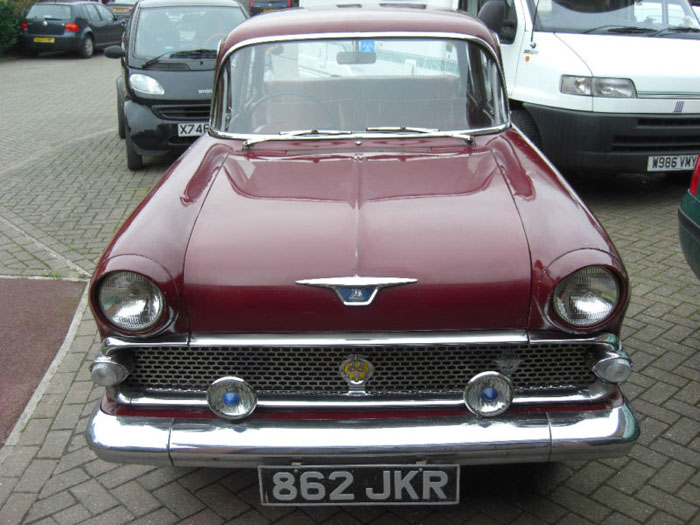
<point>168,58</point>
<point>70,26</point>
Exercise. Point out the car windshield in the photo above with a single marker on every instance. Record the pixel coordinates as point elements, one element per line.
<point>342,86</point>
<point>57,12</point>
<point>644,17</point>
<point>161,31</point>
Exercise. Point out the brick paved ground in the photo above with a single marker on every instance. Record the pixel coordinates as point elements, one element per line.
<point>65,189</point>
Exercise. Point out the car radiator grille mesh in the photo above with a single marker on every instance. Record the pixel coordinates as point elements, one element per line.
<point>424,369</point>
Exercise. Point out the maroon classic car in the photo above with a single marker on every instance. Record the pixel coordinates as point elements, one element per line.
<point>362,277</point>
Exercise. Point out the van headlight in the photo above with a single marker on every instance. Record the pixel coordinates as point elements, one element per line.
<point>145,84</point>
<point>598,86</point>
<point>130,301</point>
<point>587,297</point>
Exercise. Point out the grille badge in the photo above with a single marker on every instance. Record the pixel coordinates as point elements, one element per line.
<point>356,290</point>
<point>356,371</point>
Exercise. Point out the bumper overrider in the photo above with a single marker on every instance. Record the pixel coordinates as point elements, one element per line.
<point>361,428</point>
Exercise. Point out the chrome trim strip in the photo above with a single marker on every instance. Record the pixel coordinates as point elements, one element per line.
<point>356,281</point>
<point>359,35</point>
<point>359,339</point>
<point>464,440</point>
<point>671,95</point>
<point>598,392</point>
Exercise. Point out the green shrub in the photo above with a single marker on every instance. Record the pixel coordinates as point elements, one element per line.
<point>11,15</point>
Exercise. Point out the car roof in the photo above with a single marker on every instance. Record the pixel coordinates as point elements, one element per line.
<point>357,19</point>
<point>171,3</point>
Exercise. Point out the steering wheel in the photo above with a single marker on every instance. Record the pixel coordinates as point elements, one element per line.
<point>212,41</point>
<point>276,94</point>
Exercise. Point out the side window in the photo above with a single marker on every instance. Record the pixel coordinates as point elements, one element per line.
<point>105,13</point>
<point>91,12</point>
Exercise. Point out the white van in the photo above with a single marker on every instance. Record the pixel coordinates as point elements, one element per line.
<point>607,85</point>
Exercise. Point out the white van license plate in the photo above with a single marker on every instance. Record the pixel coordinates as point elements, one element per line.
<point>192,129</point>
<point>671,162</point>
<point>359,485</point>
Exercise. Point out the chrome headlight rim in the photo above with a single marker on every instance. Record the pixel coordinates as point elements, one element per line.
<point>157,296</point>
<point>559,316</point>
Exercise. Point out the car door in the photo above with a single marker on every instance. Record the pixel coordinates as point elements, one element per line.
<point>113,27</point>
<point>98,25</point>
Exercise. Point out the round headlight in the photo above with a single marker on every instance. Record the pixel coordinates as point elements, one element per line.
<point>130,301</point>
<point>587,297</point>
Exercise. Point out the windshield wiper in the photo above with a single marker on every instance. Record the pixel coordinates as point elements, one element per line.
<point>671,30</point>
<point>285,135</point>
<point>402,131</point>
<point>621,29</point>
<point>152,61</point>
<point>194,53</point>
<point>398,131</point>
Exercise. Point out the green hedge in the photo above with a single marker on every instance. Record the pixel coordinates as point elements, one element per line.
<point>11,15</point>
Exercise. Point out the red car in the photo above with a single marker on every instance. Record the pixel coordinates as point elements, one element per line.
<point>362,277</point>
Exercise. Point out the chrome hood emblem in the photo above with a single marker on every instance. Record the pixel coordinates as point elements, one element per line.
<point>356,290</point>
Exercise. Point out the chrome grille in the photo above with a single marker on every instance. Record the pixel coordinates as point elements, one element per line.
<point>426,369</point>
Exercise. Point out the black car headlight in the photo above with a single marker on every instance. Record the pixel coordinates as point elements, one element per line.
<point>587,297</point>
<point>130,301</point>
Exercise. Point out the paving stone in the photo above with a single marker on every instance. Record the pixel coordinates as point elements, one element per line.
<point>63,481</point>
<point>18,460</point>
<point>16,507</point>
<point>71,515</point>
<point>205,517</point>
<point>55,444</point>
<point>49,506</point>
<point>622,503</point>
<point>123,473</point>
<point>114,516</point>
<point>668,503</point>
<point>178,500</point>
<point>224,502</point>
<point>94,496</point>
<point>34,432</point>
<point>138,500</point>
<point>590,477</point>
<point>37,474</point>
<point>582,506</point>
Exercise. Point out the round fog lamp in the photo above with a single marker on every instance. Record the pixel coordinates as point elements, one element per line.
<point>488,394</point>
<point>231,397</point>
<point>613,369</point>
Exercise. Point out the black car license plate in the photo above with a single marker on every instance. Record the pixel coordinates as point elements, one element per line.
<point>359,485</point>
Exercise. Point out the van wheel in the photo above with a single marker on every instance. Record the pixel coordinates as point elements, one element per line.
<point>526,124</point>
<point>134,161</point>
<point>121,125</point>
<point>87,47</point>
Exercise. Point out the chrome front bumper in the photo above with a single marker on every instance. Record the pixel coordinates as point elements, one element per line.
<point>540,437</point>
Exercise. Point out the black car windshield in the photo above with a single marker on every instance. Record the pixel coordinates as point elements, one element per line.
<point>665,18</point>
<point>161,31</point>
<point>336,87</point>
<point>56,12</point>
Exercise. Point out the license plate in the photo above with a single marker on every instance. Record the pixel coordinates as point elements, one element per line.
<point>44,39</point>
<point>359,485</point>
<point>671,162</point>
<point>191,129</point>
<point>119,9</point>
